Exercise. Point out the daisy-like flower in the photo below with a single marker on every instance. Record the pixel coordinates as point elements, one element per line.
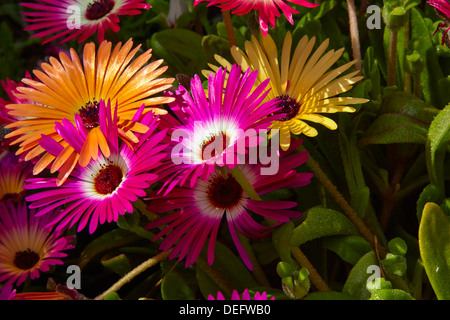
<point>214,128</point>
<point>267,9</point>
<point>78,19</point>
<point>245,296</point>
<point>13,174</point>
<point>69,87</point>
<point>442,9</point>
<point>27,247</point>
<point>302,84</point>
<point>107,186</point>
<point>199,210</point>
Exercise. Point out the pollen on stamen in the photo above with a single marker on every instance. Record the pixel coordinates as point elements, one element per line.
<point>89,115</point>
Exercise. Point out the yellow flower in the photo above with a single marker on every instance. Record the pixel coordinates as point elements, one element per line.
<point>71,88</point>
<point>302,83</point>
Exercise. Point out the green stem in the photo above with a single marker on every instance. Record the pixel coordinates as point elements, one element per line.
<point>134,273</point>
<point>407,82</point>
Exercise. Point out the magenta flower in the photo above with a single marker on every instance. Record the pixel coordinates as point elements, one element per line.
<point>107,186</point>
<point>216,127</point>
<point>245,296</point>
<point>27,247</point>
<point>78,19</point>
<point>442,8</point>
<point>199,210</point>
<point>7,292</point>
<point>267,9</point>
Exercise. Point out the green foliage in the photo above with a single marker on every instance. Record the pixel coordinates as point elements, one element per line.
<point>434,239</point>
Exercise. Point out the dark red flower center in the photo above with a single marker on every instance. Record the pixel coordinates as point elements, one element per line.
<point>26,260</point>
<point>215,143</point>
<point>108,179</point>
<point>224,192</point>
<point>289,106</point>
<point>98,9</point>
<point>89,115</point>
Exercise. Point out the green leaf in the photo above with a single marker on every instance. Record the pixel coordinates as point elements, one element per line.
<point>131,222</point>
<point>434,240</point>
<point>213,45</point>
<point>281,238</point>
<point>398,246</point>
<point>181,49</point>
<point>431,193</point>
<point>437,143</point>
<point>349,248</point>
<point>119,264</point>
<point>421,42</point>
<point>112,296</point>
<point>403,119</point>
<point>390,294</point>
<point>174,287</point>
<point>230,267</point>
<point>355,285</point>
<point>321,222</point>
<point>113,239</point>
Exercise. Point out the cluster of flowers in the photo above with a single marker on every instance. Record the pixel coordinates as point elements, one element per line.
<point>92,133</point>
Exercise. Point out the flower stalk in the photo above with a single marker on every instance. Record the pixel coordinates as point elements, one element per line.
<point>354,33</point>
<point>134,273</point>
<point>229,27</point>
<point>345,206</point>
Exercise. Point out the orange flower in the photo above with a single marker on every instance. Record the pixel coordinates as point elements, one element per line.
<point>71,86</point>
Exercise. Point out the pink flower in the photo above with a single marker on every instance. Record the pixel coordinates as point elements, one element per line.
<point>267,9</point>
<point>215,128</point>
<point>27,247</point>
<point>107,186</point>
<point>78,19</point>
<point>199,210</point>
<point>442,8</point>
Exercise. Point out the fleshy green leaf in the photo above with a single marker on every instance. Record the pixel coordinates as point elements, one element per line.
<point>431,193</point>
<point>230,267</point>
<point>403,119</point>
<point>113,239</point>
<point>174,287</point>
<point>390,294</point>
<point>438,140</point>
<point>355,285</point>
<point>434,240</point>
<point>349,248</point>
<point>119,264</point>
<point>321,222</point>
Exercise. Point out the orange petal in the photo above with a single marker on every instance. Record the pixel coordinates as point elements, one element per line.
<point>102,142</point>
<point>62,158</point>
